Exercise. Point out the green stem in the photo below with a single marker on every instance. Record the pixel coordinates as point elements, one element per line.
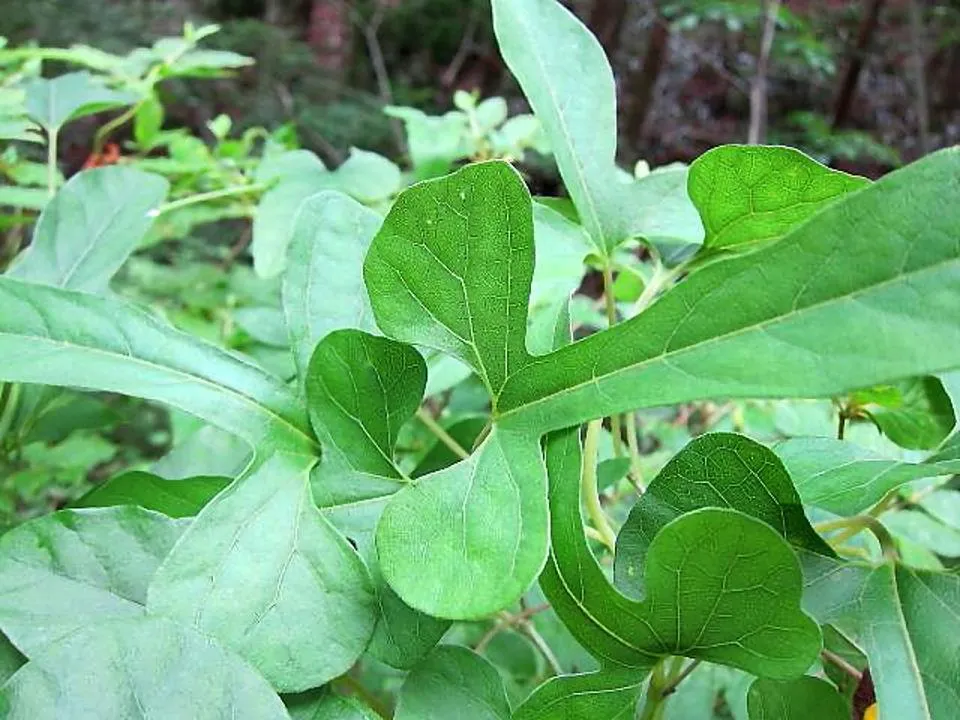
<point>104,132</point>
<point>208,196</point>
<point>52,162</point>
<point>9,409</point>
<point>667,674</point>
<point>611,306</point>
<point>588,479</point>
<point>442,435</point>
<point>636,472</point>
<point>527,628</point>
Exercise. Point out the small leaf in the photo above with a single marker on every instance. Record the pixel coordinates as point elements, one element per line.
<point>716,470</point>
<point>452,265</point>
<point>917,415</point>
<point>148,121</point>
<point>798,699</point>
<point>64,571</point>
<point>453,683</point>
<point>323,286</point>
<point>264,572</point>
<point>748,194</point>
<point>139,667</point>
<point>843,478</point>
<point>607,694</point>
<point>54,102</point>
<point>173,498</point>
<point>90,227</point>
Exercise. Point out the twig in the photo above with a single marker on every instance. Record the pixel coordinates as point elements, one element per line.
<point>449,76</point>
<point>842,664</point>
<point>758,90</point>
<point>527,628</point>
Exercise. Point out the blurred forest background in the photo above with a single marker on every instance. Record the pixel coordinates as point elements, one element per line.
<point>862,84</point>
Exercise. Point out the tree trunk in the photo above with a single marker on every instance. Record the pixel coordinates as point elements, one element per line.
<point>848,84</point>
<point>329,34</point>
<point>758,89</point>
<point>606,22</point>
<point>641,84</point>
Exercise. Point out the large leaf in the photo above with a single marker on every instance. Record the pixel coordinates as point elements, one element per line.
<point>73,568</point>
<point>798,699</point>
<point>749,194</point>
<point>453,683</point>
<point>323,286</point>
<point>702,569</point>
<point>90,227</point>
<point>607,694</point>
<point>360,390</point>
<point>863,293</point>
<point>60,337</point>
<point>264,572</point>
<point>452,265</point>
<point>483,518</point>
<point>139,667</point>
<point>717,470</point>
<point>174,498</point>
<point>54,102</point>
<point>906,621</point>
<point>569,84</point>
<point>844,478</point>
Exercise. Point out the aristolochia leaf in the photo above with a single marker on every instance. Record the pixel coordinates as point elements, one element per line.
<point>451,268</point>
<point>139,667</point>
<point>64,571</point>
<point>702,569</point>
<point>264,572</point>
<point>843,478</point>
<point>716,470</point>
<point>798,699</point>
<point>323,286</point>
<point>906,621</point>
<point>915,413</point>
<point>748,194</point>
<point>174,498</point>
<point>90,227</point>
<point>59,337</point>
<point>483,518</point>
<point>864,292</point>
<point>607,694</point>
<point>453,683</point>
<point>324,704</point>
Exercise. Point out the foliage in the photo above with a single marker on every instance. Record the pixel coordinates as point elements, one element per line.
<point>388,449</point>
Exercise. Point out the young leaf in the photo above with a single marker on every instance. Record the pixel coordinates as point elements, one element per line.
<point>701,570</point>
<point>798,699</point>
<point>173,498</point>
<point>609,694</point>
<point>74,568</point>
<point>915,414</point>
<point>716,470</point>
<point>54,102</point>
<point>453,683</point>
<point>483,518</point>
<point>833,321</point>
<point>264,572</point>
<point>451,268</point>
<point>59,337</point>
<point>748,194</point>
<point>138,667</point>
<point>844,478</point>
<point>323,286</point>
<point>906,621</point>
<point>90,227</point>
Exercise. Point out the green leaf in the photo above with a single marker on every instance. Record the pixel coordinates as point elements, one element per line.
<point>139,667</point>
<point>453,683</point>
<point>11,659</point>
<point>862,296</point>
<point>53,103</point>
<point>920,528</point>
<point>905,620</point>
<point>607,694</point>
<point>944,505</point>
<point>60,337</point>
<point>173,498</point>
<point>748,194</point>
<point>464,431</point>
<point>265,573</point>
<point>798,699</point>
<point>717,470</point>
<point>483,518</point>
<point>323,704</point>
<point>64,571</point>
<point>451,268</point>
<point>917,414</point>
<point>844,478</point>
<point>368,177</point>
<point>90,227</point>
<point>208,451</point>
<point>702,569</point>
<point>569,84</point>
<point>24,197</point>
<point>148,121</point>
<point>323,286</point>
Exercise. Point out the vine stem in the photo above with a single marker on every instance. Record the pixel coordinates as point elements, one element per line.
<point>667,674</point>
<point>208,196</point>
<point>52,162</point>
<point>610,303</point>
<point>442,435</point>
<point>104,132</point>
<point>588,479</point>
